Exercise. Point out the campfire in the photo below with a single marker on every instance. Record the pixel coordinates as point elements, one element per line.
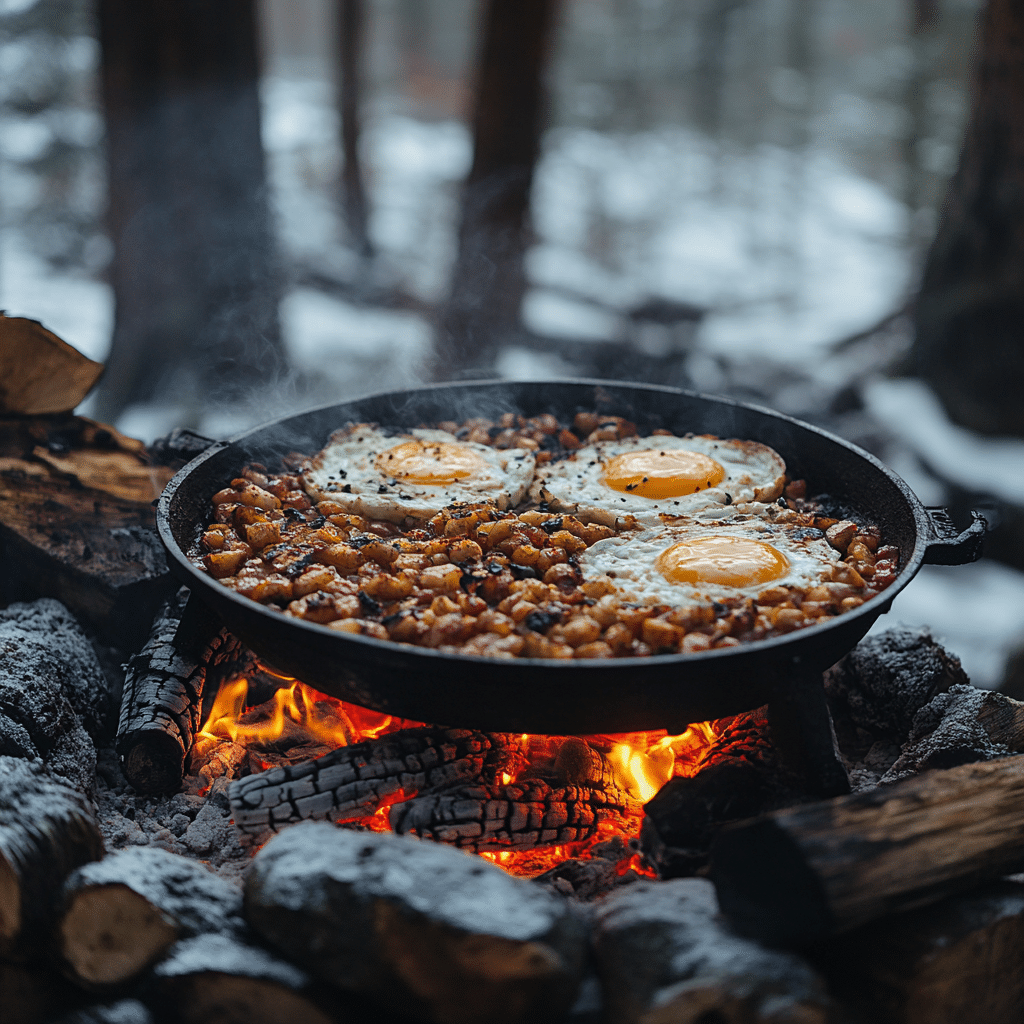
<point>238,843</point>
<point>524,802</point>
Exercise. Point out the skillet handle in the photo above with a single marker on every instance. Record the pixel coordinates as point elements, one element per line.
<point>950,546</point>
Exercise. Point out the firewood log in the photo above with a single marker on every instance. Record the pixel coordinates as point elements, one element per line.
<point>355,781</point>
<point>809,871</point>
<point>419,928</point>
<point>666,957</point>
<point>124,1011</point>
<point>41,373</point>
<point>47,830</point>
<point>219,978</point>
<point>124,912</point>
<point>515,816</point>
<point>162,702</point>
<point>959,961</point>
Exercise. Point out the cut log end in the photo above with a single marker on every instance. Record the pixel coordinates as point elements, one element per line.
<point>110,933</point>
<point>156,764</point>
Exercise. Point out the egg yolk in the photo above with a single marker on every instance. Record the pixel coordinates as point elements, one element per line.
<point>654,473</point>
<point>429,462</point>
<point>728,561</point>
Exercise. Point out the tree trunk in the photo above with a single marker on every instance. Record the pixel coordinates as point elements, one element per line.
<point>193,269</point>
<point>488,279</point>
<point>350,19</point>
<point>970,311</point>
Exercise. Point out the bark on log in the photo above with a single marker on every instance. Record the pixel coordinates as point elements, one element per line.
<point>418,927</point>
<point>47,830</point>
<point>520,815</point>
<point>802,873</point>
<point>162,701</point>
<point>78,530</point>
<point>353,782</point>
<point>960,961</point>
<point>219,978</point>
<point>122,913</point>
<point>665,957</point>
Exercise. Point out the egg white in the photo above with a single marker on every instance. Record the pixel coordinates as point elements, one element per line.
<point>629,560</point>
<point>345,471</point>
<point>753,472</point>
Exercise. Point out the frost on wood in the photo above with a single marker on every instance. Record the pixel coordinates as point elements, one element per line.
<point>47,669</point>
<point>416,926</point>
<point>74,660</point>
<point>123,912</point>
<point>665,954</point>
<point>886,679</point>
<point>354,781</point>
<point>47,830</point>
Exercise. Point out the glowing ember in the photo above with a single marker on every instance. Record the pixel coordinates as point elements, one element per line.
<point>297,717</point>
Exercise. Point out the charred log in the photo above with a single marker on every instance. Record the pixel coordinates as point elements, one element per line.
<point>162,702</point>
<point>353,782</point>
<point>664,956</point>
<point>47,830</point>
<point>827,867</point>
<point>375,913</point>
<point>122,913</point>
<point>514,816</point>
<point>218,977</point>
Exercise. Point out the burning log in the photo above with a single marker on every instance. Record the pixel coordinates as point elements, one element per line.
<point>218,977</point>
<point>664,957</point>
<point>355,781</point>
<point>162,702</point>
<point>47,830</point>
<point>960,961</point>
<point>514,816</point>
<point>809,871</point>
<point>122,913</point>
<point>378,914</point>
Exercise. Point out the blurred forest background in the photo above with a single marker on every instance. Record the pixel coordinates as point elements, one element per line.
<point>733,195</point>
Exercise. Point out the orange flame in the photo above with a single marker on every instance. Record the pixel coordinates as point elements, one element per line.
<point>298,715</point>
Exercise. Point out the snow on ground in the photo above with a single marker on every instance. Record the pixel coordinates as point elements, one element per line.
<point>788,251</point>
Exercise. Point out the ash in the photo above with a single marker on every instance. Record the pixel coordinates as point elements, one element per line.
<point>189,823</point>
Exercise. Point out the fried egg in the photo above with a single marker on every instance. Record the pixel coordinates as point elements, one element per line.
<point>413,474</point>
<point>649,478</point>
<point>696,562</point>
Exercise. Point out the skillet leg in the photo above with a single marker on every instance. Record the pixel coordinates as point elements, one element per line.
<point>802,732</point>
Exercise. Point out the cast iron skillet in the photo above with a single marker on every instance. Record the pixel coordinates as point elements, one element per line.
<point>559,697</point>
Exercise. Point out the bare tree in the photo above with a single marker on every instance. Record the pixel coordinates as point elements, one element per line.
<point>488,280</point>
<point>350,18</point>
<point>193,268</point>
<point>970,311</point>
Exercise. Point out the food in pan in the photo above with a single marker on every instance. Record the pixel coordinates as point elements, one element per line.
<point>486,577</point>
<point>413,474</point>
<point>650,477</point>
<point>736,558</point>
